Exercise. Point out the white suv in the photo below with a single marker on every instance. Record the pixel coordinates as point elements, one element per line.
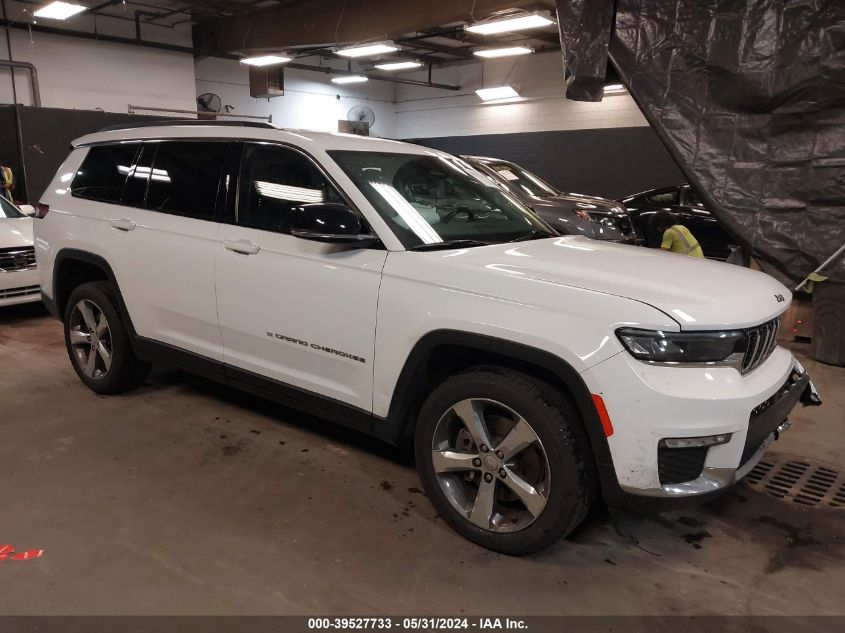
<point>396,290</point>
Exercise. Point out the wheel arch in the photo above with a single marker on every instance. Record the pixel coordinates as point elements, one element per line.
<point>74,267</point>
<point>441,353</point>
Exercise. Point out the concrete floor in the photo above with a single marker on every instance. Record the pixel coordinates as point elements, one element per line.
<point>188,498</point>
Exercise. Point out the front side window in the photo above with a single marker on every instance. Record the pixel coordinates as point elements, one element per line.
<point>185,177</point>
<point>274,180</point>
<point>103,172</point>
<point>8,210</point>
<point>436,199</point>
<point>516,176</point>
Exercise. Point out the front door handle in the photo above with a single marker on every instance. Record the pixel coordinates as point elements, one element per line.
<point>123,224</point>
<point>244,247</point>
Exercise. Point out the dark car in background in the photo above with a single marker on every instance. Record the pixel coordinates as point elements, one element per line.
<point>568,213</point>
<point>683,201</point>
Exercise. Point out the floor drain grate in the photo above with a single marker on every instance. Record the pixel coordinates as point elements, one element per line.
<point>800,482</point>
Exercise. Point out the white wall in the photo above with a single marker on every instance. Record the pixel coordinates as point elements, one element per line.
<point>310,101</point>
<point>425,112</point>
<point>88,74</point>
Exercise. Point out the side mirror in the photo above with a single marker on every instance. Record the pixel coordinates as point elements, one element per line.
<point>329,222</point>
<point>27,209</point>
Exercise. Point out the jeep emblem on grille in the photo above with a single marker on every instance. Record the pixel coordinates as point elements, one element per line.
<point>779,298</point>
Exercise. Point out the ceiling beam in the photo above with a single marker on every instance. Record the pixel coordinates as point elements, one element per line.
<point>333,21</point>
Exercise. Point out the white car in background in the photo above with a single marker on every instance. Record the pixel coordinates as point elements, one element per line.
<point>18,276</point>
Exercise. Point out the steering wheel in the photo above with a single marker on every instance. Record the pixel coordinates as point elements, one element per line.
<point>471,216</point>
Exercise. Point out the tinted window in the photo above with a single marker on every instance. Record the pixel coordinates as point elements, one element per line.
<point>692,198</point>
<point>138,176</point>
<point>273,181</point>
<point>103,172</point>
<point>185,177</point>
<point>664,197</point>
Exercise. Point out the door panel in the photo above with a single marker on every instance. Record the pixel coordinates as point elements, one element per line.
<point>163,257</point>
<point>293,310</point>
<point>300,312</point>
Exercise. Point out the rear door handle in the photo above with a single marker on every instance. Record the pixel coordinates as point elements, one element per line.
<point>123,224</point>
<point>244,247</point>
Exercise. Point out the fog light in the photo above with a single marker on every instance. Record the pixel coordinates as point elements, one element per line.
<point>696,442</point>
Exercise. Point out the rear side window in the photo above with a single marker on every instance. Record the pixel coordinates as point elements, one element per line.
<point>103,172</point>
<point>185,177</point>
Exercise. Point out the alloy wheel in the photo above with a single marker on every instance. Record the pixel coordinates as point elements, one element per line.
<point>491,465</point>
<point>90,339</point>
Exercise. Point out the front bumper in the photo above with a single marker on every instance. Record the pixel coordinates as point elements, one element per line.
<point>21,286</point>
<point>648,403</point>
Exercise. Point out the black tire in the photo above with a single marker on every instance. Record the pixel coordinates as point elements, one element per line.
<point>126,371</point>
<point>555,421</point>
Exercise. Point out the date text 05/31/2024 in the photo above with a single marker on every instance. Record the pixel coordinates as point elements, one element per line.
<point>417,624</point>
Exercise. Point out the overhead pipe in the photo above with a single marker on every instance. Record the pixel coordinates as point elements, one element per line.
<point>33,76</point>
<point>328,70</point>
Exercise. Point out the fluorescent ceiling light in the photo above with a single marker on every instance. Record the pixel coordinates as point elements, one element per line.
<point>398,65</point>
<point>368,50</point>
<point>503,52</point>
<point>348,79</point>
<point>59,10</point>
<point>499,92</point>
<point>265,60</point>
<point>505,25</point>
<point>613,88</point>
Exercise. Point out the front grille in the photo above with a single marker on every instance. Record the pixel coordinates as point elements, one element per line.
<point>677,465</point>
<point>760,342</point>
<point>15,259</point>
<point>23,291</point>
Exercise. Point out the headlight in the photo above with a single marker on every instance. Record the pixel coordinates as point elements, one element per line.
<point>683,347</point>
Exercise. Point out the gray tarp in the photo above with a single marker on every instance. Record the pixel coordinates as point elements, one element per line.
<point>749,98</point>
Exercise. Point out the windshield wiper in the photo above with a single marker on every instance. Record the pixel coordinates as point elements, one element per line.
<point>534,235</point>
<point>436,246</point>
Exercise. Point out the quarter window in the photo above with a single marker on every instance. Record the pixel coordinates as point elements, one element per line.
<point>103,172</point>
<point>275,180</point>
<point>185,177</point>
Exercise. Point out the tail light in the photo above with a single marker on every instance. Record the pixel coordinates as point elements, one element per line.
<point>41,210</point>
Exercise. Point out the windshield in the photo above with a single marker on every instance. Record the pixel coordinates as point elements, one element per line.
<point>8,210</point>
<point>435,199</point>
<point>525,180</point>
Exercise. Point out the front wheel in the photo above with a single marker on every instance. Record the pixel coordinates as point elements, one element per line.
<point>504,459</point>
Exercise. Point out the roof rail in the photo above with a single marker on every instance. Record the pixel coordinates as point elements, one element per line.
<point>199,123</point>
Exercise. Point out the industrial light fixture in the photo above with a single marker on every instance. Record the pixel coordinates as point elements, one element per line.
<point>398,65</point>
<point>368,50</point>
<point>266,60</point>
<point>59,10</point>
<point>507,51</point>
<point>611,89</point>
<point>349,79</point>
<point>499,92</point>
<point>513,23</point>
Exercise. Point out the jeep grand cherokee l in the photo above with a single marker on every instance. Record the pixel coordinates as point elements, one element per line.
<point>530,371</point>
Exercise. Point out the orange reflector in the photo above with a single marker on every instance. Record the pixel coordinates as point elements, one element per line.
<point>603,416</point>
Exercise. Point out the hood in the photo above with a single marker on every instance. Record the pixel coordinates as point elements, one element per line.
<point>698,294</point>
<point>560,213</point>
<point>15,232</point>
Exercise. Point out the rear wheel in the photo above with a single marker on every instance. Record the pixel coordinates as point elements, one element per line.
<point>97,342</point>
<point>503,458</point>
